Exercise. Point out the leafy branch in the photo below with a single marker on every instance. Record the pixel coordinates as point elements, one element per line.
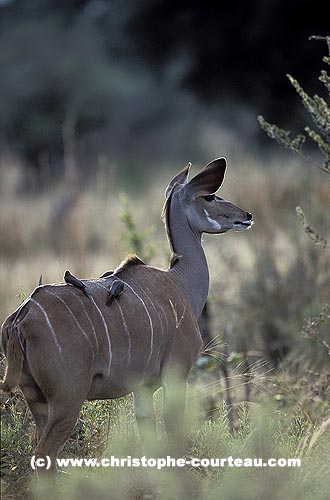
<point>313,235</point>
<point>319,111</point>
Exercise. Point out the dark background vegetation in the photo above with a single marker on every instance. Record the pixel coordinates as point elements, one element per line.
<point>138,79</point>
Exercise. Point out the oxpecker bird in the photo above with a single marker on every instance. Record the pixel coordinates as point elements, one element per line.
<point>116,289</point>
<point>72,280</point>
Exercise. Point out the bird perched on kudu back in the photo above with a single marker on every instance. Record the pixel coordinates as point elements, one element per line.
<point>116,289</point>
<point>72,280</point>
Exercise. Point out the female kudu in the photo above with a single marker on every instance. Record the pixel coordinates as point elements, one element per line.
<point>64,346</point>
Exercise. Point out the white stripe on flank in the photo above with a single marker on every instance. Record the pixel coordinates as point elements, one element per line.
<point>88,317</point>
<point>155,308</point>
<point>18,310</point>
<point>150,321</point>
<point>164,317</point>
<point>126,331</point>
<point>73,317</point>
<point>160,344</point>
<point>106,331</point>
<point>19,337</point>
<point>48,323</point>
<point>124,323</point>
<point>176,329</point>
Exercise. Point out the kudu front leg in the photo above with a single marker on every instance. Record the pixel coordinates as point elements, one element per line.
<point>174,406</point>
<point>145,418</point>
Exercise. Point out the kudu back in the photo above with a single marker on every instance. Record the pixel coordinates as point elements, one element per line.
<point>64,347</point>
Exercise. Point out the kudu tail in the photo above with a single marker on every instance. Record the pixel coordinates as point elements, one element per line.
<point>14,354</point>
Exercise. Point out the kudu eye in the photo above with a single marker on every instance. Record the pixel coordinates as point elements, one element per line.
<point>209,197</point>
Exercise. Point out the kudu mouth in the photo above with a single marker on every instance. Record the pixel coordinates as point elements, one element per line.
<point>242,225</point>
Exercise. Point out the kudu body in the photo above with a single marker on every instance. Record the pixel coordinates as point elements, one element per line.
<point>64,347</point>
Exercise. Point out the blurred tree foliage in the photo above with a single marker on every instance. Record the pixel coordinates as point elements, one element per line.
<point>69,62</point>
<point>90,60</point>
<point>233,50</point>
<point>53,65</point>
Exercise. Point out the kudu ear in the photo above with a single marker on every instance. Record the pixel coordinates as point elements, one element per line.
<point>208,181</point>
<point>180,178</point>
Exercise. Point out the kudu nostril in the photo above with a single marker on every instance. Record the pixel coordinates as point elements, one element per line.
<point>249,216</point>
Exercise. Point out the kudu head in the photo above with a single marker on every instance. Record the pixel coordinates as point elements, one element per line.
<point>206,212</point>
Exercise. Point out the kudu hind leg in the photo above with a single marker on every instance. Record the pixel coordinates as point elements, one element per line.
<point>61,420</point>
<point>36,401</point>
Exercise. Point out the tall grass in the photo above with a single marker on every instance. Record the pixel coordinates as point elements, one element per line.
<point>262,433</point>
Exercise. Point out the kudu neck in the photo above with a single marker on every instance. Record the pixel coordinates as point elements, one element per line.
<point>190,271</point>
